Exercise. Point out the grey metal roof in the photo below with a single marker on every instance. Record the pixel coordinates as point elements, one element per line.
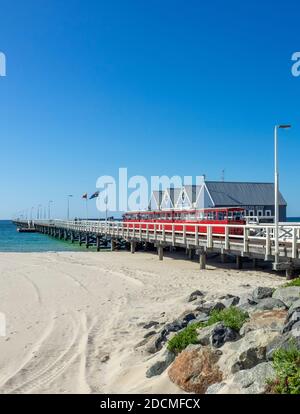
<point>235,194</point>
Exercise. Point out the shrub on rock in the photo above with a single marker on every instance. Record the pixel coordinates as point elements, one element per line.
<point>287,368</point>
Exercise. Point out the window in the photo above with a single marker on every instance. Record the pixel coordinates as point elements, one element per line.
<point>251,213</point>
<point>260,213</point>
<point>268,213</point>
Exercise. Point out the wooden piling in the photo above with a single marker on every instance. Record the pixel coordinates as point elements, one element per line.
<point>160,251</point>
<point>202,259</point>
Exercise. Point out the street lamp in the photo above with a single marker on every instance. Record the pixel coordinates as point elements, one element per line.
<point>31,213</point>
<point>39,212</point>
<point>49,206</point>
<point>68,211</point>
<point>277,127</point>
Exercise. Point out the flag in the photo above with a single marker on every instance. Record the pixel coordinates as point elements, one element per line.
<point>85,195</point>
<point>95,195</point>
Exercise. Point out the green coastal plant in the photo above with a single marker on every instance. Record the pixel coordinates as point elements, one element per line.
<point>232,317</point>
<point>286,363</point>
<point>184,338</point>
<point>294,282</point>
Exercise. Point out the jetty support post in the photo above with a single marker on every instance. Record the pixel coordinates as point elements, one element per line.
<point>223,257</point>
<point>239,262</point>
<point>290,272</point>
<point>87,240</point>
<point>98,243</point>
<point>254,263</point>
<point>132,247</point>
<point>191,254</point>
<point>160,251</point>
<point>202,259</point>
<point>112,245</point>
<point>79,239</point>
<point>72,237</point>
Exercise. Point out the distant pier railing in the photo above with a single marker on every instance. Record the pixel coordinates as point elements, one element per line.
<point>256,241</point>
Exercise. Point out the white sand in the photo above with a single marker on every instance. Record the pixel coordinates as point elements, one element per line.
<point>66,311</point>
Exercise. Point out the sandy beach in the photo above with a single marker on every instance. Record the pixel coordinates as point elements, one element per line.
<point>74,318</point>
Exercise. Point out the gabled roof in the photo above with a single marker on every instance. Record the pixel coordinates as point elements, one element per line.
<point>156,196</point>
<point>235,193</point>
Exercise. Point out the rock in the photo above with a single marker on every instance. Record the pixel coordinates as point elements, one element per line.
<point>195,369</point>
<point>247,303</point>
<point>155,343</point>
<point>161,365</point>
<point>291,321</point>
<point>195,295</point>
<point>246,353</point>
<point>283,342</point>
<point>202,317</point>
<point>105,358</point>
<point>295,307</point>
<point>215,388</point>
<point>150,324</point>
<point>287,295</point>
<point>187,316</point>
<point>221,334</point>
<point>296,329</point>
<point>204,334</point>
<point>250,381</point>
<point>174,326</point>
<point>262,293</point>
<point>230,301</point>
<point>270,320</point>
<point>150,333</point>
<point>208,307</point>
<point>270,304</point>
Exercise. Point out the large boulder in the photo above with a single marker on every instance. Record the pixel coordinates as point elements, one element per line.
<point>270,304</point>
<point>273,320</point>
<point>246,353</point>
<point>262,293</point>
<point>288,295</point>
<point>161,364</point>
<point>250,381</point>
<point>195,369</point>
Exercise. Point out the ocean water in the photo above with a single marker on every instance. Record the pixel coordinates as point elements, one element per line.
<point>13,241</point>
<point>294,219</point>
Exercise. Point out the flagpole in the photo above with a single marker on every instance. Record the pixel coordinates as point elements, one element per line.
<point>86,206</point>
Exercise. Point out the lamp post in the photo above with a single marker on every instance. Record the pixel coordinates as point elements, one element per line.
<point>39,213</point>
<point>277,127</point>
<point>49,211</point>
<point>68,210</point>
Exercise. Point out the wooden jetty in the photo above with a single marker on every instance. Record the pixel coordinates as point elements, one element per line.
<point>256,242</point>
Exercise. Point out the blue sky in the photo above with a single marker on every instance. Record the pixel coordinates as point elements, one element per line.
<point>161,87</point>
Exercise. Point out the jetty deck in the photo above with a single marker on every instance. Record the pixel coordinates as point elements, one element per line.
<point>256,242</point>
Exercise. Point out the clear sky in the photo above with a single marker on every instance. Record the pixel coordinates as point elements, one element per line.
<point>160,87</point>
